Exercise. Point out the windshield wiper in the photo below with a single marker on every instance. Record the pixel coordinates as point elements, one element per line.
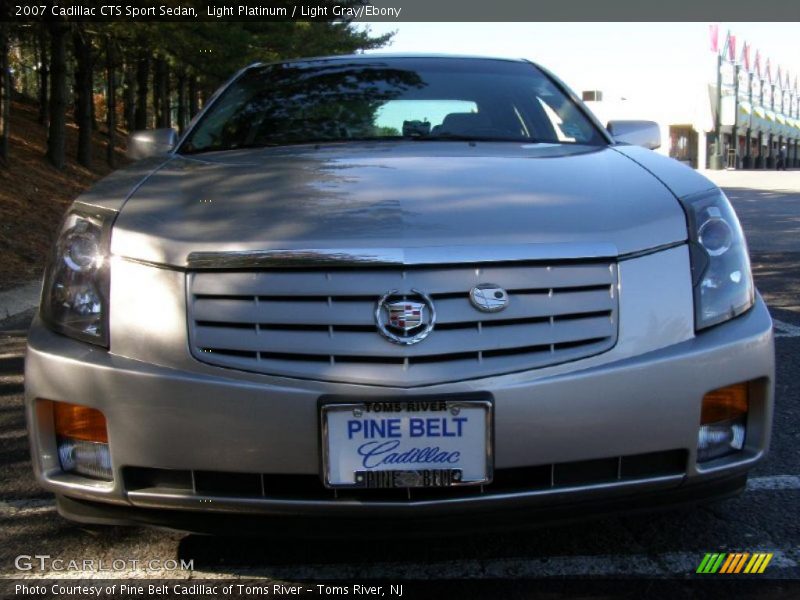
<point>456,137</point>
<point>191,151</point>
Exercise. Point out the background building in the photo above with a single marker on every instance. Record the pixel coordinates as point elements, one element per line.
<point>752,109</point>
<point>654,71</point>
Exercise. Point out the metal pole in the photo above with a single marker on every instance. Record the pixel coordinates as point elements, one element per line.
<point>771,155</point>
<point>748,154</point>
<point>796,105</point>
<point>780,135</point>
<point>735,129</point>
<point>716,157</point>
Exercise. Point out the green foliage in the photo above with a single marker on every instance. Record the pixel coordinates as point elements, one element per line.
<point>214,51</point>
<point>199,56</point>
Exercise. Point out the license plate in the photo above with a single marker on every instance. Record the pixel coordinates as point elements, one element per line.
<point>407,444</point>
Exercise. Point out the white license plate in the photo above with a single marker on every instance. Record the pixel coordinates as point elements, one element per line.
<point>407,444</point>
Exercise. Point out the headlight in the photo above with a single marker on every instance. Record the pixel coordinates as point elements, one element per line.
<point>723,283</point>
<point>76,283</point>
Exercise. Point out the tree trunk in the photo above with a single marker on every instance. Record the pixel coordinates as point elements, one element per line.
<point>142,76</point>
<point>129,96</point>
<point>92,107</point>
<point>111,96</point>
<point>83,91</point>
<point>58,94</point>
<point>161,92</point>
<point>156,91</point>
<point>193,109</point>
<point>166,104</point>
<point>181,94</point>
<point>44,75</point>
<point>5,92</point>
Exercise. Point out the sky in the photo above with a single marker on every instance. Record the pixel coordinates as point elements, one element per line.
<point>634,61</point>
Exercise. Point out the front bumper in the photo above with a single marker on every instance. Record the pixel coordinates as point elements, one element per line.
<point>517,513</point>
<point>174,419</point>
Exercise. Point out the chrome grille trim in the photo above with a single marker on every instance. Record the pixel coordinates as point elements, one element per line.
<point>395,257</point>
<point>319,324</point>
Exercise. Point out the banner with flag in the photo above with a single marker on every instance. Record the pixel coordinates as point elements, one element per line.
<point>746,56</point>
<point>713,32</point>
<point>731,43</point>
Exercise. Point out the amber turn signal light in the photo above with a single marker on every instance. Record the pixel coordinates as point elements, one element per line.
<point>79,423</point>
<point>723,404</point>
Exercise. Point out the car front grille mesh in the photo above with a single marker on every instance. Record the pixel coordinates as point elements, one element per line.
<point>320,324</point>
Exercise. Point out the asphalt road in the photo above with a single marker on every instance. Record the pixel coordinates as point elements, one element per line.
<point>763,519</point>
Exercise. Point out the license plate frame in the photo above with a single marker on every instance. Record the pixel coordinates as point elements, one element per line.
<point>401,406</point>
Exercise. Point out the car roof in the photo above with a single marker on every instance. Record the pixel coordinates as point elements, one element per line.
<point>390,56</point>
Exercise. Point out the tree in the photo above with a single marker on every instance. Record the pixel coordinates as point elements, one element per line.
<point>44,73</point>
<point>180,93</point>
<point>194,108</point>
<point>184,62</point>
<point>5,91</point>
<point>84,93</point>
<point>129,94</point>
<point>142,77</point>
<point>111,95</point>
<point>161,92</point>
<point>58,93</point>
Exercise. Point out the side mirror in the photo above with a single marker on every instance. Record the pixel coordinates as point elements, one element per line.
<point>636,133</point>
<point>151,142</point>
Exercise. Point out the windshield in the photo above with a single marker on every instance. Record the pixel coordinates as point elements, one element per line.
<point>387,99</point>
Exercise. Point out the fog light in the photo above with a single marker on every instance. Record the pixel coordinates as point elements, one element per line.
<point>82,440</point>
<point>719,439</point>
<point>723,422</point>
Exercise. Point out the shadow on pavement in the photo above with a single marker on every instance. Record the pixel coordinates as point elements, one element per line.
<point>777,277</point>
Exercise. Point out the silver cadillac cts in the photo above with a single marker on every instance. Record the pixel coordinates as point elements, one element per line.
<point>370,288</point>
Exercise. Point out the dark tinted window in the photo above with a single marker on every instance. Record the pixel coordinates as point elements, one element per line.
<point>340,100</point>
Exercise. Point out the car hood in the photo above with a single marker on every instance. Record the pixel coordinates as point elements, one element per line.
<point>553,200</point>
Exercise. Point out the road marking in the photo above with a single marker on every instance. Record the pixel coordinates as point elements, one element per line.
<point>776,482</point>
<point>785,329</point>
<point>19,299</point>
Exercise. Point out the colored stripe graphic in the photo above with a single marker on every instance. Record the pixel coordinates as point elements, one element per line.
<point>717,564</point>
<point>754,563</point>
<point>741,562</point>
<point>764,564</point>
<point>729,562</point>
<point>711,563</point>
<point>703,563</point>
<point>734,563</point>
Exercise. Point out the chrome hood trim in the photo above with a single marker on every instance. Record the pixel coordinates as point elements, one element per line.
<point>397,257</point>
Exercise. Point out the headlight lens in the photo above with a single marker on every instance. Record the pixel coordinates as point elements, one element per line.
<point>76,284</point>
<point>723,283</point>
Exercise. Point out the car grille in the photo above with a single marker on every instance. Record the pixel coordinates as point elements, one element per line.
<point>319,324</point>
